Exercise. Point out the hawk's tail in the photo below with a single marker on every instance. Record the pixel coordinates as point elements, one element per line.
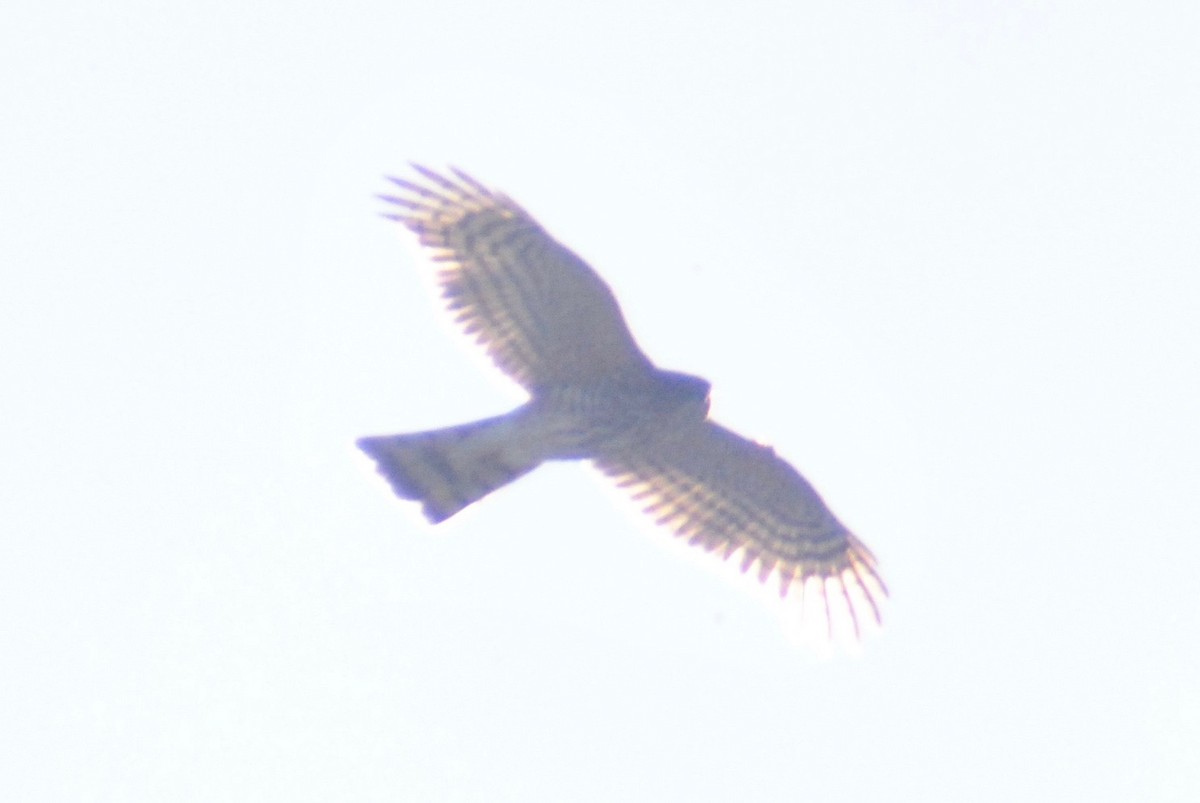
<point>448,469</point>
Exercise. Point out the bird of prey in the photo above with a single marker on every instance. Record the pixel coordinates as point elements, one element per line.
<point>549,322</point>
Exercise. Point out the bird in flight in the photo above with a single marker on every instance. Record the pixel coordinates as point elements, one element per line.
<point>549,322</point>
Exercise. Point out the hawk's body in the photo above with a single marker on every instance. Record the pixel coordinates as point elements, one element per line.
<point>553,325</point>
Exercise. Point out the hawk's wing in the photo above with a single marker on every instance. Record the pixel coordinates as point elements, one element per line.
<point>543,315</point>
<point>724,492</point>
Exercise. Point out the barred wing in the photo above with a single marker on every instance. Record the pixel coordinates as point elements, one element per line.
<point>541,313</point>
<point>728,494</point>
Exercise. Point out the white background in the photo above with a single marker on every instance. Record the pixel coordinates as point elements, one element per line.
<point>943,255</point>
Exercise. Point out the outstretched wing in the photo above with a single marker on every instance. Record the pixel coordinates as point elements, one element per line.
<point>728,494</point>
<point>543,315</point>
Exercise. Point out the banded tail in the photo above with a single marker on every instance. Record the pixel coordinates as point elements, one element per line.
<point>448,469</point>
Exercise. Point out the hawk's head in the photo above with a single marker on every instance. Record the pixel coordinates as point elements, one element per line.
<point>684,390</point>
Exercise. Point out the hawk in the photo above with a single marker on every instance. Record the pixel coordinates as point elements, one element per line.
<point>549,322</point>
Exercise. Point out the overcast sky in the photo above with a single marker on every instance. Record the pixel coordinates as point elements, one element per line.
<point>942,255</point>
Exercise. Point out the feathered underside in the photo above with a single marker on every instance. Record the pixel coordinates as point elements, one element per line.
<point>541,313</point>
<point>552,324</point>
<point>731,496</point>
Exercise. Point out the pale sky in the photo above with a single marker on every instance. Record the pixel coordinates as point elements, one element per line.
<point>942,255</point>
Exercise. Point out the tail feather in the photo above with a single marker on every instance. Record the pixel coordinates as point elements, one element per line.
<point>448,469</point>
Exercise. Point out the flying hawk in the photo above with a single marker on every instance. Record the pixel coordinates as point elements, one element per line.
<point>551,323</point>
